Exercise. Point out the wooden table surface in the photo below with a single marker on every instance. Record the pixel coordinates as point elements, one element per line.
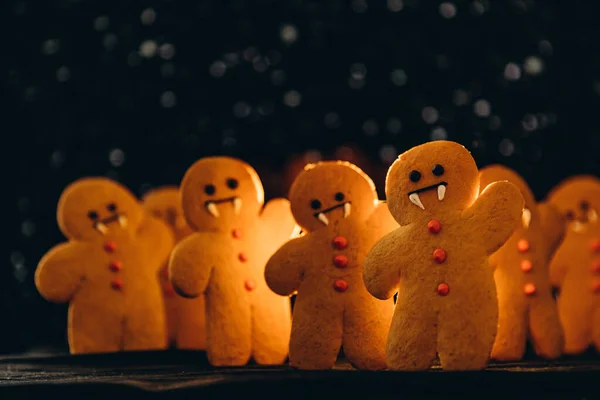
<point>174,374</point>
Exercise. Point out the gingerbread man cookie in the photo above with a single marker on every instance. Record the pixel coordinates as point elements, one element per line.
<point>107,270</point>
<point>225,258</point>
<point>525,301</point>
<point>575,267</point>
<point>437,260</point>
<point>336,205</point>
<point>185,317</point>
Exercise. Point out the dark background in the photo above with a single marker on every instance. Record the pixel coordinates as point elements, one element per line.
<point>139,90</point>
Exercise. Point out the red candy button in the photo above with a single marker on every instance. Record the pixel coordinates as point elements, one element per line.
<point>529,289</point>
<point>434,226</point>
<point>596,246</point>
<point>242,257</point>
<point>340,285</point>
<point>116,284</point>
<point>236,233</point>
<point>596,267</point>
<point>526,266</point>
<point>340,261</point>
<point>596,287</point>
<point>340,242</point>
<point>439,256</point>
<point>116,266</point>
<point>523,245</point>
<point>443,289</point>
<point>249,285</point>
<point>110,246</point>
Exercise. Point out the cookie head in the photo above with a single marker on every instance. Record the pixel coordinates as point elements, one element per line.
<point>94,207</point>
<point>326,193</point>
<point>496,173</point>
<point>430,180</point>
<point>165,204</point>
<point>217,191</point>
<point>578,199</point>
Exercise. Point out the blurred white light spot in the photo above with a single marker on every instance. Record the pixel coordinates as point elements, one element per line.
<point>447,10</point>
<point>148,48</point>
<point>166,51</point>
<point>388,154</point>
<point>288,33</point>
<point>460,97</point>
<point>530,122</point>
<point>57,159</point>
<point>278,77</point>
<point>260,64</point>
<point>17,258</point>
<point>358,71</point>
<point>229,139</point>
<point>168,99</point>
<point>545,48</point>
<point>217,69</point>
<point>506,147</point>
<point>116,157</point>
<point>359,6</point>
<point>512,72</point>
<point>533,65</point>
<point>370,127</point>
<point>394,126</point>
<point>241,109</point>
<point>332,120</point>
<point>28,228</point>
<point>398,77</point>
<point>101,23</point>
<point>63,74</point>
<point>495,123</point>
<point>356,84</point>
<point>482,108</point>
<point>438,133</point>
<point>148,16</point>
<point>395,5</point>
<point>312,156</point>
<point>110,40</point>
<point>250,53</point>
<point>231,59</point>
<point>292,98</point>
<point>430,115</point>
<point>50,47</point>
<point>20,272</point>
<point>477,8</point>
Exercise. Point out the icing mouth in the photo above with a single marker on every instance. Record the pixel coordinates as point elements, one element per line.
<point>211,205</point>
<point>416,200</point>
<point>102,225</point>
<point>323,218</point>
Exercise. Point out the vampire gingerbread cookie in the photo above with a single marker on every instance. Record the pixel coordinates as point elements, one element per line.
<point>185,317</point>
<point>575,267</point>
<point>336,205</point>
<point>107,270</point>
<point>437,260</point>
<point>526,304</point>
<point>224,259</point>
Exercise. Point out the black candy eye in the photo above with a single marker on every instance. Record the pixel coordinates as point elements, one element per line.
<point>414,176</point>
<point>210,189</point>
<point>93,215</point>
<point>584,205</point>
<point>315,204</point>
<point>232,183</point>
<point>569,215</point>
<point>112,207</point>
<point>438,170</point>
<point>339,196</point>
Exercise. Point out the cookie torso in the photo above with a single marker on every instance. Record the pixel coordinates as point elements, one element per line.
<point>582,278</point>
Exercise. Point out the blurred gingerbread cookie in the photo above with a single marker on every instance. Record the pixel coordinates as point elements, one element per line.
<point>185,317</point>
<point>437,260</point>
<point>224,259</point>
<point>575,267</point>
<point>107,270</point>
<point>336,205</point>
<point>526,305</point>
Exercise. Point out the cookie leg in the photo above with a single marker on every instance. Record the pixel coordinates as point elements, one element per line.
<point>316,335</point>
<point>191,326</point>
<point>466,333</point>
<point>94,331</point>
<point>596,329</point>
<point>146,328</point>
<point>576,323</point>
<point>366,326</point>
<point>228,332</point>
<point>172,319</point>
<point>271,326</point>
<point>511,339</point>
<point>544,325</point>
<point>411,342</point>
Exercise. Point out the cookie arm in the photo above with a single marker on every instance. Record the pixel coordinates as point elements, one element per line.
<point>285,269</point>
<point>156,237</point>
<point>381,268</point>
<point>277,216</point>
<point>190,266</point>
<point>60,272</point>
<point>553,227</point>
<point>495,214</point>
